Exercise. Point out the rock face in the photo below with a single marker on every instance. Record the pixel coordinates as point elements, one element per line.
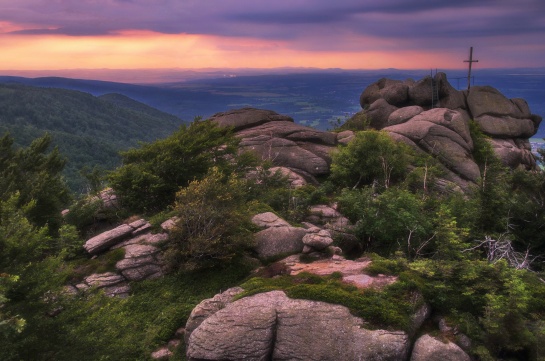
<point>272,326</point>
<point>274,137</point>
<point>405,110</point>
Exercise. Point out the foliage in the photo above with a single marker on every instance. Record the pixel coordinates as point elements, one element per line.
<point>393,220</point>
<point>491,303</point>
<point>389,308</point>
<point>152,174</point>
<point>213,222</point>
<point>35,175</point>
<point>359,121</point>
<point>274,190</point>
<point>89,131</point>
<point>97,327</point>
<point>25,274</point>
<point>372,157</point>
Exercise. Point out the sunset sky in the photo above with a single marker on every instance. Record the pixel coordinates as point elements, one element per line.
<point>350,34</point>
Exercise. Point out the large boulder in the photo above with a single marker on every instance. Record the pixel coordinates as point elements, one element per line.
<point>208,307</point>
<point>488,100</point>
<point>272,326</point>
<point>379,112</point>
<point>278,241</point>
<point>506,126</point>
<point>428,348</point>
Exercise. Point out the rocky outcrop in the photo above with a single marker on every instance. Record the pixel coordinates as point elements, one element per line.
<point>272,326</point>
<point>276,138</point>
<point>405,110</point>
<point>141,260</point>
<point>111,283</point>
<point>106,240</point>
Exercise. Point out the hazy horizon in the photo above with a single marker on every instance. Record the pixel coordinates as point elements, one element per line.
<point>168,75</point>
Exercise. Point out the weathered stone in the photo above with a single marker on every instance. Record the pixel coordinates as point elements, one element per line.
<point>268,219</point>
<point>420,92</point>
<point>147,271</point>
<point>207,308</point>
<point>379,112</point>
<point>324,211</point>
<point>140,250</point>
<point>523,108</point>
<point>294,179</point>
<point>449,97</point>
<point>270,325</point>
<point>319,240</point>
<point>404,114</point>
<point>169,224</point>
<point>247,117</point>
<point>345,137</point>
<point>419,317</point>
<point>146,238</point>
<point>104,279</point>
<point>162,354</point>
<point>121,290</point>
<point>107,239</point>
<point>287,153</point>
<point>512,155</point>
<point>449,146</point>
<point>483,100</point>
<point>112,284</point>
<point>396,94</point>
<point>276,241</point>
<point>505,127</point>
<point>428,348</point>
<point>372,92</point>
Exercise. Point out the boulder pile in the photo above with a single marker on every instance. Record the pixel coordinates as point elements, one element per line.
<point>405,110</point>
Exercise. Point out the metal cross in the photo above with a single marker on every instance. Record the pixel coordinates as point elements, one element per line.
<point>470,61</point>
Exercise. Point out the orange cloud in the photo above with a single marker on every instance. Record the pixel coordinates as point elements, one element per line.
<point>143,49</point>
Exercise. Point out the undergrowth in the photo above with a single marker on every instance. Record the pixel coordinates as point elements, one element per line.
<point>389,308</point>
<point>97,327</point>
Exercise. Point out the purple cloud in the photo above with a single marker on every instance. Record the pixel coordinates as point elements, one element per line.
<point>310,24</point>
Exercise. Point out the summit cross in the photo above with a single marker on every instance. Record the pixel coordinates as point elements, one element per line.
<point>470,61</point>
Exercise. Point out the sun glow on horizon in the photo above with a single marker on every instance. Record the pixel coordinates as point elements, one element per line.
<point>133,49</point>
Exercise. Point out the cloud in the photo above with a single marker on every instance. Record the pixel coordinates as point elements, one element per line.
<point>307,25</point>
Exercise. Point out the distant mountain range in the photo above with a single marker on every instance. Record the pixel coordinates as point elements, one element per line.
<point>311,97</point>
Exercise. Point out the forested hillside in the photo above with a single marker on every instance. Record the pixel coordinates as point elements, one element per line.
<point>89,131</point>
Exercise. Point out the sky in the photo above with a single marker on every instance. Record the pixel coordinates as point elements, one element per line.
<point>349,34</point>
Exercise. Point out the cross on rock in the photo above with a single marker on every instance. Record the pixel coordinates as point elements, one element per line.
<point>470,61</point>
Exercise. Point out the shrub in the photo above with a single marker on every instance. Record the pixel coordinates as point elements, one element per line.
<point>152,174</point>
<point>372,157</point>
<point>214,224</point>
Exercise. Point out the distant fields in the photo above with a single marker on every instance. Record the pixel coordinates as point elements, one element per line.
<point>316,98</point>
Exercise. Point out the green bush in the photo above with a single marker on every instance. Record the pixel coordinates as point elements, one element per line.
<point>152,174</point>
<point>372,157</point>
<point>214,224</point>
<point>390,308</point>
